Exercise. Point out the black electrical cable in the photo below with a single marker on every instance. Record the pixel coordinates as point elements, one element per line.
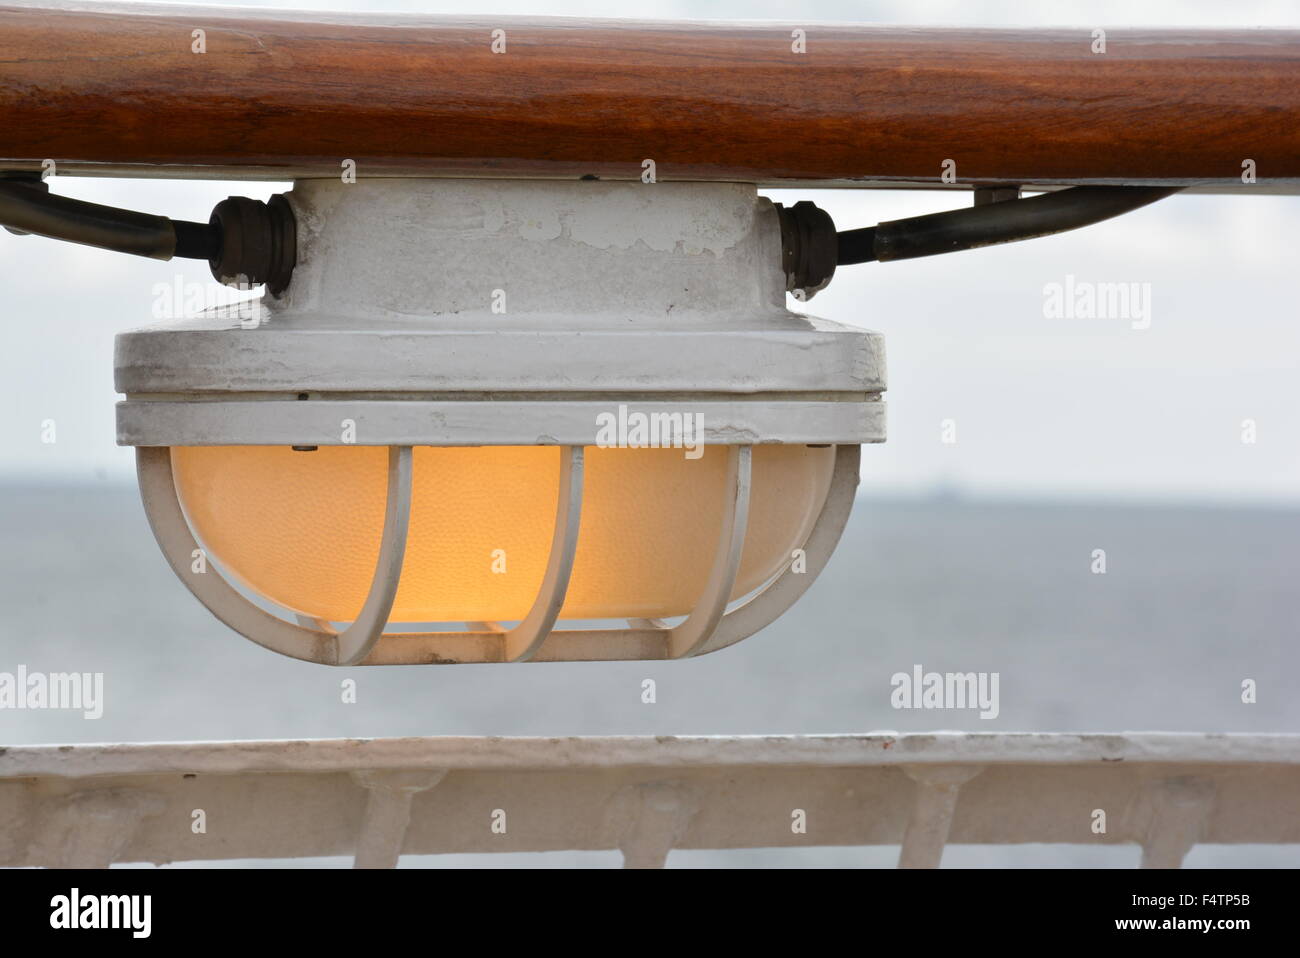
<point>855,246</point>
<point>26,206</point>
<point>197,240</point>
<point>992,223</point>
<point>246,242</point>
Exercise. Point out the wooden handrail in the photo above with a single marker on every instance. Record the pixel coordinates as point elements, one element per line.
<point>117,88</point>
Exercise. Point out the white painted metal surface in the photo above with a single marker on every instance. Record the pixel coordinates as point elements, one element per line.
<point>378,799</point>
<point>481,312</point>
<point>797,354</point>
<point>599,255</point>
<point>466,422</point>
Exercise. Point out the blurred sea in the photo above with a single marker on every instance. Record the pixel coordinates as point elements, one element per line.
<point>1194,600</point>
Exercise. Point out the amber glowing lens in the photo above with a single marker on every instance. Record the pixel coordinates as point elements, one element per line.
<point>303,528</point>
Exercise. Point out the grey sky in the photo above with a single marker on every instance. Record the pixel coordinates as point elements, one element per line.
<point>1042,406</point>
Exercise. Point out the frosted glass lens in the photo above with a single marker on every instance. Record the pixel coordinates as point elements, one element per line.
<point>303,528</point>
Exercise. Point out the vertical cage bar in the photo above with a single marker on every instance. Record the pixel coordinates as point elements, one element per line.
<point>689,638</point>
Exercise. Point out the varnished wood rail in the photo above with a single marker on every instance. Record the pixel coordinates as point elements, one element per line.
<point>119,89</point>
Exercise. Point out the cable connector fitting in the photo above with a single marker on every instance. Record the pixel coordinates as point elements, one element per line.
<point>809,248</point>
<point>256,242</point>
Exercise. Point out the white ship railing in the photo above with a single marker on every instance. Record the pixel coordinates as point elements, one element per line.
<point>377,799</point>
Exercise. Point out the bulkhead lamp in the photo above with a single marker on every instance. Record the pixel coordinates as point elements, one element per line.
<point>505,404</point>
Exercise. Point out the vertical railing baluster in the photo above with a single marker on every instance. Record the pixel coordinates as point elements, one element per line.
<point>937,789</point>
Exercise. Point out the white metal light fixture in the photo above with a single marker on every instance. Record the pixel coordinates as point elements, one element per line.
<point>488,401</point>
<point>415,430</point>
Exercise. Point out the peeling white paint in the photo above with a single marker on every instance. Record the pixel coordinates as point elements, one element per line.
<point>599,253</point>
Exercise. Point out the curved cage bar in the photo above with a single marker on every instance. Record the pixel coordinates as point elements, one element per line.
<point>356,641</point>
<point>765,606</point>
<point>686,639</point>
<point>523,641</point>
<point>313,640</point>
<point>171,529</point>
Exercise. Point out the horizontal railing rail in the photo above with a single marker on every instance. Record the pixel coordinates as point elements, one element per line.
<point>377,799</point>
